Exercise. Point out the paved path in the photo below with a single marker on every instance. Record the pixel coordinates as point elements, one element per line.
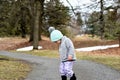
<point>47,68</point>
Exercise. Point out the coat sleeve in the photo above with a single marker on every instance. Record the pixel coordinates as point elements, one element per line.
<point>70,47</point>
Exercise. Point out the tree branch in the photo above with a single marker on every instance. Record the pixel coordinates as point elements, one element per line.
<point>71,6</point>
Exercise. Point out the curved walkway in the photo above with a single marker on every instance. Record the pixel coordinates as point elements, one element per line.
<point>47,68</point>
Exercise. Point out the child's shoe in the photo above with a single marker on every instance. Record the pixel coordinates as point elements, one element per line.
<point>64,77</point>
<point>73,77</point>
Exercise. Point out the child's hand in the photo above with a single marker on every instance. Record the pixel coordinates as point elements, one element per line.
<point>70,57</point>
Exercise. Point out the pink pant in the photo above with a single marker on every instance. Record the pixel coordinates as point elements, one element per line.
<point>66,68</point>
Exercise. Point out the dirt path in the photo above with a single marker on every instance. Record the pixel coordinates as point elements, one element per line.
<point>47,68</point>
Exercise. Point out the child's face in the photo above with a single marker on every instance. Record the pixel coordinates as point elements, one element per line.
<point>58,42</point>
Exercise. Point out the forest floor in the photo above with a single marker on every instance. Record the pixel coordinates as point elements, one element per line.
<point>13,43</point>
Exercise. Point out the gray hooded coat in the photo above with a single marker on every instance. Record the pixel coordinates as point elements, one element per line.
<point>66,48</point>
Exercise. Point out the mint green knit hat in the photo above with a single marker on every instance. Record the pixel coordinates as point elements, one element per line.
<point>55,35</point>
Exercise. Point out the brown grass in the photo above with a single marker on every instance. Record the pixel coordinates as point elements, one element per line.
<point>12,69</point>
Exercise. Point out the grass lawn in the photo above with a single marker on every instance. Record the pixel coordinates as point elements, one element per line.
<point>12,69</point>
<point>109,60</point>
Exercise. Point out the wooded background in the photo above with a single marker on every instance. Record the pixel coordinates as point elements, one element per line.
<point>34,17</point>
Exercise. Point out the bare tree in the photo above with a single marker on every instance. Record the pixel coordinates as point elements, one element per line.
<point>102,19</point>
<point>38,22</point>
<point>36,10</point>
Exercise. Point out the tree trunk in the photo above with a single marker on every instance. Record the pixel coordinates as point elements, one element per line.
<point>36,25</point>
<point>32,13</point>
<point>41,18</point>
<point>23,35</point>
<point>31,29</point>
<point>36,9</point>
<point>23,23</point>
<point>102,20</point>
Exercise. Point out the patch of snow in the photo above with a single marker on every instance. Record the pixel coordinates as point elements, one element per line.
<point>28,48</point>
<point>96,47</point>
<point>78,49</point>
